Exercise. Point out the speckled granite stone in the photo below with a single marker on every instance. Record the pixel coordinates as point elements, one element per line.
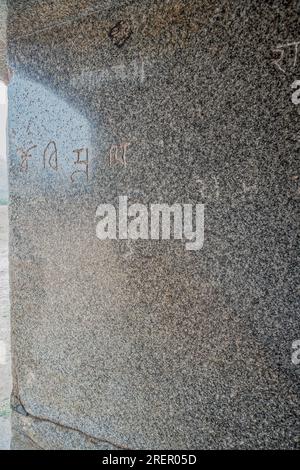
<point>144,344</point>
<point>3,22</point>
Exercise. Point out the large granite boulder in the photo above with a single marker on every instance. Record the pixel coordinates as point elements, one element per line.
<point>142,343</point>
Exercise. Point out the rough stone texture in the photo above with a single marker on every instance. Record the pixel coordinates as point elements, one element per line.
<point>144,344</point>
<point>3,62</point>
<point>5,375</point>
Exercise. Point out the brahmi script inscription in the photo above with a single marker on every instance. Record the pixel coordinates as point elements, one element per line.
<point>207,189</point>
<point>287,56</point>
<point>286,63</point>
<point>50,159</point>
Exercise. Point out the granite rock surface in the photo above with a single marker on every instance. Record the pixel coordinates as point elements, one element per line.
<point>143,344</point>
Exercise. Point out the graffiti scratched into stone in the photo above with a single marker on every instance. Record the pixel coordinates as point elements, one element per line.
<point>50,156</point>
<point>120,33</point>
<point>288,55</point>
<point>25,156</point>
<point>203,188</point>
<point>294,186</point>
<point>79,162</point>
<point>117,154</point>
<point>50,159</point>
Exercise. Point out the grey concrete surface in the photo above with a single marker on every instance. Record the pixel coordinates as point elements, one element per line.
<point>144,344</point>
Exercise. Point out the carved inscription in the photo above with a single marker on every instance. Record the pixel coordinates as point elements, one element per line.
<point>25,156</point>
<point>120,33</point>
<point>50,156</point>
<point>79,162</point>
<point>288,55</point>
<point>117,154</point>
